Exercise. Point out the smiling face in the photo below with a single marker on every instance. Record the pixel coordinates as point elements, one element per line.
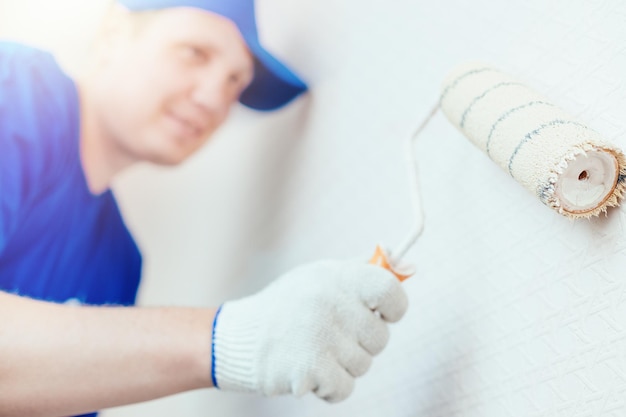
<point>165,83</point>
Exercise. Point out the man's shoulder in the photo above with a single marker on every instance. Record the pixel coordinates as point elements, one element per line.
<point>20,60</point>
<point>38,106</point>
<point>17,49</point>
<point>24,67</point>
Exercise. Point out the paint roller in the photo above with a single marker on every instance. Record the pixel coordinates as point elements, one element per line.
<point>567,165</point>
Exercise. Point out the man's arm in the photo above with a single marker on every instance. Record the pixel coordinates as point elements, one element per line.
<point>66,360</point>
<point>314,329</point>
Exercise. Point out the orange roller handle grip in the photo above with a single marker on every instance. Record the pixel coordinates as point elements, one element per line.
<point>381,259</point>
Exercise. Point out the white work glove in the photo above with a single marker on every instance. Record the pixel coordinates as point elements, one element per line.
<point>315,328</point>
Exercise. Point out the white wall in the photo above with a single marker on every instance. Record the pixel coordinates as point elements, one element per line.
<point>515,310</point>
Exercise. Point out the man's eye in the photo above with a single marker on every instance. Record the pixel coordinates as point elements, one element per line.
<point>234,79</point>
<point>195,54</point>
<point>239,81</point>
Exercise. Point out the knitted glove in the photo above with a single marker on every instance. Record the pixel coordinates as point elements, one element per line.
<point>314,329</point>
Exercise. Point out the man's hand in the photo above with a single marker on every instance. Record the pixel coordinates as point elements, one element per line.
<point>314,329</point>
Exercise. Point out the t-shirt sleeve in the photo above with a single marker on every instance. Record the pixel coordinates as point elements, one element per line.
<point>35,114</point>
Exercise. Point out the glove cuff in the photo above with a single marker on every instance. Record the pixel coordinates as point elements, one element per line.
<point>234,354</point>
<point>213,378</point>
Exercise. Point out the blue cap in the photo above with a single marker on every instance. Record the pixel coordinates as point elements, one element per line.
<point>273,85</point>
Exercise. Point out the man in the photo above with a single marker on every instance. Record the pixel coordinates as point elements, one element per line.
<point>162,78</point>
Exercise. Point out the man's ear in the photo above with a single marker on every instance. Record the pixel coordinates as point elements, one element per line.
<point>116,30</point>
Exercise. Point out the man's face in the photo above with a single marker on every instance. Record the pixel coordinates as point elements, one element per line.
<point>166,85</point>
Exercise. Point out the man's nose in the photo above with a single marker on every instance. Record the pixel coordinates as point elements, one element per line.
<point>211,93</point>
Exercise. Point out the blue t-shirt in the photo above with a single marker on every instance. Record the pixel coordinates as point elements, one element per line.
<point>58,242</point>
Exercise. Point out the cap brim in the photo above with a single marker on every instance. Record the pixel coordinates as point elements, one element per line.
<point>273,85</point>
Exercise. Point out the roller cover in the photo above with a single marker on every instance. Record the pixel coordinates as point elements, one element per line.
<point>566,164</point>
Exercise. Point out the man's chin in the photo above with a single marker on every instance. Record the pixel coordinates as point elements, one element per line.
<point>171,151</point>
<point>166,159</point>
